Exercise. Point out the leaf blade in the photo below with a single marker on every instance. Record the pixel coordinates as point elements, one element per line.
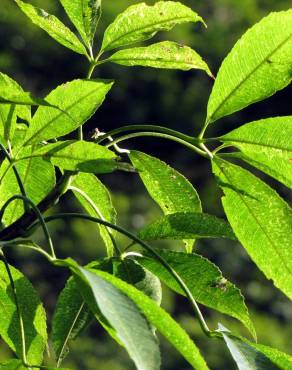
<point>140,22</point>
<point>262,221</point>
<point>166,54</point>
<point>256,67</point>
<point>53,26</point>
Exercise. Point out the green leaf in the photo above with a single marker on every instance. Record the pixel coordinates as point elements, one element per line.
<point>167,187</point>
<point>81,156</point>
<point>78,99</point>
<point>7,121</point>
<point>11,92</point>
<point>204,281</point>
<point>95,199</point>
<point>258,65</point>
<point>252,356</point>
<point>166,54</point>
<point>53,26</point>
<point>71,317</point>
<point>12,365</point>
<point>124,316</point>
<point>38,177</point>
<point>187,225</point>
<point>85,16</point>
<point>32,312</point>
<point>266,145</point>
<point>154,314</point>
<point>141,22</point>
<point>261,220</point>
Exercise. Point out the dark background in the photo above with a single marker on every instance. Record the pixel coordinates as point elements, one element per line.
<point>171,98</point>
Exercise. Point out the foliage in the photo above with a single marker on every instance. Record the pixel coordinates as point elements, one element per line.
<point>122,292</point>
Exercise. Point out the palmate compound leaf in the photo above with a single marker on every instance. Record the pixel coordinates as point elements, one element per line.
<point>258,65</point>
<point>153,313</point>
<point>78,99</point>
<point>33,316</point>
<point>72,314</point>
<point>95,199</point>
<point>204,281</point>
<point>38,177</point>
<point>253,356</point>
<point>74,155</point>
<point>266,144</point>
<point>167,187</point>
<point>85,15</point>
<point>261,220</point>
<point>187,225</point>
<point>124,316</point>
<point>141,22</point>
<point>166,54</point>
<point>53,26</point>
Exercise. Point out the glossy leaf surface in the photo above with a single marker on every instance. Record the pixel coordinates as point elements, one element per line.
<point>53,26</point>
<point>166,54</point>
<point>96,200</point>
<point>33,316</point>
<point>79,99</point>
<point>187,225</point>
<point>141,22</point>
<point>252,356</point>
<point>266,144</point>
<point>85,15</point>
<point>258,65</point>
<point>79,156</point>
<point>261,220</point>
<point>204,280</point>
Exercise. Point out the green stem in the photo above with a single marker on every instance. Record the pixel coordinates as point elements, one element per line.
<point>153,128</point>
<point>38,214</point>
<point>160,135</point>
<point>99,214</point>
<point>147,247</point>
<point>20,319</point>
<point>23,243</point>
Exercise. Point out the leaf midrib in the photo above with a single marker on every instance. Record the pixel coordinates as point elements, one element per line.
<point>259,224</point>
<point>247,77</point>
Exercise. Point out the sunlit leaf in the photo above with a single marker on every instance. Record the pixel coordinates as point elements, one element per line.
<point>166,54</point>
<point>53,26</point>
<point>141,22</point>
<point>261,220</point>
<point>257,66</point>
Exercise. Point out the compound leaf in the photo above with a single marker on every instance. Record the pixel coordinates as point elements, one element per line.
<point>95,199</point>
<point>32,312</point>
<point>141,22</point>
<point>78,100</point>
<point>53,26</point>
<point>81,156</point>
<point>166,54</point>
<point>266,145</point>
<point>258,65</point>
<point>187,225</point>
<point>204,281</point>
<point>85,15</point>
<point>261,220</point>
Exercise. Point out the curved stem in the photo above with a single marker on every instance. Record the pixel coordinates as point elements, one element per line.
<point>16,173</point>
<point>38,214</point>
<point>153,128</point>
<point>99,214</point>
<point>20,319</point>
<point>160,135</point>
<point>147,247</point>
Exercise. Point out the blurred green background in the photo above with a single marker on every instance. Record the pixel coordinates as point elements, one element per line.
<point>171,98</point>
